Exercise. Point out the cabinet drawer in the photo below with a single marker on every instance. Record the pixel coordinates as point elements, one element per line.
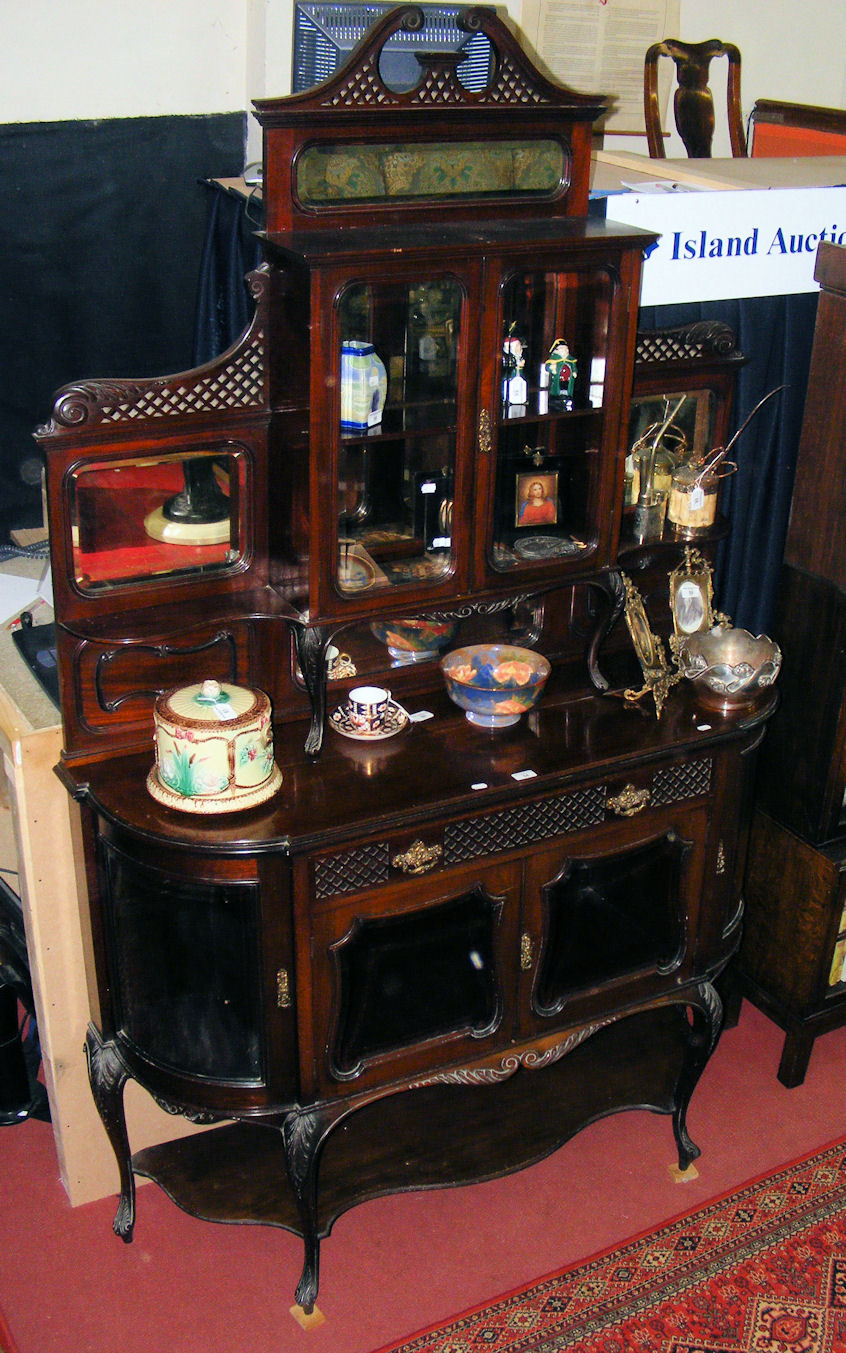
<point>478,835</point>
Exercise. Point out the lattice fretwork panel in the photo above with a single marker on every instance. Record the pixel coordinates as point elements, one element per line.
<point>685,781</point>
<point>523,824</point>
<point>350,870</point>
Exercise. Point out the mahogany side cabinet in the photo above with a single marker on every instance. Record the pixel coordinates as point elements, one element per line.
<point>429,958</point>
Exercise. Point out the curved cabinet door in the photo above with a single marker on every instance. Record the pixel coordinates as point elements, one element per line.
<point>612,915</point>
<point>191,977</point>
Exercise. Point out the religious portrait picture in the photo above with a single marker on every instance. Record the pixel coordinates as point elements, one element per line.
<point>536,499</point>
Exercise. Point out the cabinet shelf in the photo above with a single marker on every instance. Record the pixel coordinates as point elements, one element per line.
<point>434,1137</point>
<point>431,417</point>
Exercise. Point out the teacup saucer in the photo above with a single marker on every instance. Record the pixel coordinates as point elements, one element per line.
<point>396,720</point>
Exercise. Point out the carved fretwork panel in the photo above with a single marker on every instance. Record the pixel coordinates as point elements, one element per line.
<point>686,780</point>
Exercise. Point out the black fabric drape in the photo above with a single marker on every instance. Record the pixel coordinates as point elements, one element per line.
<point>231,250</point>
<point>103,227</point>
<point>775,334</point>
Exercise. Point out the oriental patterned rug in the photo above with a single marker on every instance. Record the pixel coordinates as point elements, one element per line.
<point>762,1270</point>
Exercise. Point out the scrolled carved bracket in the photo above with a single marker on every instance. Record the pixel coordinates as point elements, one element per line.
<point>532,1059</point>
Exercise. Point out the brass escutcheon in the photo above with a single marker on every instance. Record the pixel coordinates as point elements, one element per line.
<point>628,802</point>
<point>485,440</point>
<point>527,952</point>
<point>418,858</point>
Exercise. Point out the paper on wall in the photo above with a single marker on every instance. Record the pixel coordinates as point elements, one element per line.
<point>599,46</point>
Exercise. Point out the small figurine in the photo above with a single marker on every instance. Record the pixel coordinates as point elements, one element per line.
<point>515,391</point>
<point>560,373</point>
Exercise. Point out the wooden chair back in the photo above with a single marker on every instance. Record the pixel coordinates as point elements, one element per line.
<point>693,102</point>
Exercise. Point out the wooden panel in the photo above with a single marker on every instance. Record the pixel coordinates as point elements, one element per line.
<point>45,824</point>
<point>815,540</point>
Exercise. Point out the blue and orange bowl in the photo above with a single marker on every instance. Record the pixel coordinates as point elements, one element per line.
<point>415,640</point>
<point>495,684</point>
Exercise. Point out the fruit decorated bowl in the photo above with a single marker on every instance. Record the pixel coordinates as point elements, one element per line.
<point>415,640</point>
<point>494,683</point>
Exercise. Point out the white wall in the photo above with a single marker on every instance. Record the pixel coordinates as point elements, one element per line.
<point>69,59</point>
<point>98,59</point>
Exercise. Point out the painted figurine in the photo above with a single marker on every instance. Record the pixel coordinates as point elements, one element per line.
<point>561,368</point>
<point>515,391</point>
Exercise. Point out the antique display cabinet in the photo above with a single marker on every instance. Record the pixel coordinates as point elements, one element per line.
<point>429,957</point>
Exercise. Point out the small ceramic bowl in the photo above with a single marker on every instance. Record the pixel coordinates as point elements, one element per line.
<point>729,667</point>
<point>415,640</point>
<point>494,683</point>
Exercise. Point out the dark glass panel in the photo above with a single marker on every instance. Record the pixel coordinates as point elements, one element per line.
<point>404,979</point>
<point>610,916</point>
<point>186,970</point>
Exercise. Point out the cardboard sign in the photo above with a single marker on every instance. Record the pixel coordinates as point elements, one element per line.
<point>718,246</point>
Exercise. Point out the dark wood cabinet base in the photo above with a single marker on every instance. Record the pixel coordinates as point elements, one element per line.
<point>442,1135</point>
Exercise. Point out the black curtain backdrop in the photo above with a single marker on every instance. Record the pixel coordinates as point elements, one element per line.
<point>103,231</point>
<point>231,250</point>
<point>775,334</point>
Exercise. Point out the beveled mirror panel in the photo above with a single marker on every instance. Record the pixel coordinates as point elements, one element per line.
<point>134,520</point>
<point>690,435</point>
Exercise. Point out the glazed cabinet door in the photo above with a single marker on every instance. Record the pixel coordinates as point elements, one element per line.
<point>610,916</point>
<point>197,962</point>
<point>554,351</point>
<point>413,976</point>
<point>391,371</point>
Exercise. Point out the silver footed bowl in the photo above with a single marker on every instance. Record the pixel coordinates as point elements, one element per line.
<point>729,667</point>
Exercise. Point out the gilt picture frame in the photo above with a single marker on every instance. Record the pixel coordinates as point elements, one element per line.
<point>692,596</point>
<point>536,499</point>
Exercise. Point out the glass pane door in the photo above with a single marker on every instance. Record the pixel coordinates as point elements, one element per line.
<point>610,916</point>
<point>185,969</point>
<point>398,413</point>
<point>405,979</point>
<point>548,424</point>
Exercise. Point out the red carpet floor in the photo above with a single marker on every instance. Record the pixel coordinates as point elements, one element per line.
<point>396,1265</point>
<point>762,1270</point>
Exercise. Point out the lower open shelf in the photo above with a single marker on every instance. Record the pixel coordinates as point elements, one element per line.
<point>436,1136</point>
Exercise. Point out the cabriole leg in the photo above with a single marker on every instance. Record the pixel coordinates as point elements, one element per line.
<point>108,1075</point>
<point>706,1023</point>
<point>302,1134</point>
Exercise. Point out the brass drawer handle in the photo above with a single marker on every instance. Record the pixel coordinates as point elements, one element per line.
<point>418,858</point>
<point>628,802</point>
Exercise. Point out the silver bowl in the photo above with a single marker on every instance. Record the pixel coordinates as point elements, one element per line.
<point>729,667</point>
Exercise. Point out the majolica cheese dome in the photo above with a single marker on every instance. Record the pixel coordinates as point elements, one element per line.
<point>214,748</point>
